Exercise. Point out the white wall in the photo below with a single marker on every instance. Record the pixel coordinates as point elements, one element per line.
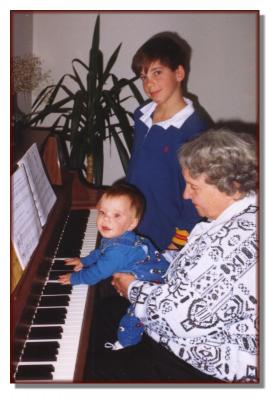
<point>223,65</point>
<point>22,43</point>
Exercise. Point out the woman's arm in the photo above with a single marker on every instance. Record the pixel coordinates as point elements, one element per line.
<point>191,302</point>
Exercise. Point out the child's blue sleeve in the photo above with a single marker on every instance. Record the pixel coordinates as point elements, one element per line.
<point>115,259</point>
<point>90,258</point>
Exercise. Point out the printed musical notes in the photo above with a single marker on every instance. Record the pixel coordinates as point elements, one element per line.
<point>32,200</point>
<point>43,193</point>
<point>26,226</point>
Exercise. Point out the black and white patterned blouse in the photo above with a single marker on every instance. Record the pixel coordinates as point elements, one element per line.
<point>206,312</point>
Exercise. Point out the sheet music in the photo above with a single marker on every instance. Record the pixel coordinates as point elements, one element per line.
<point>43,193</point>
<point>26,226</point>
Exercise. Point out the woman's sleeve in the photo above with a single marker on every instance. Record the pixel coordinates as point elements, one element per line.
<point>189,303</point>
<point>160,309</point>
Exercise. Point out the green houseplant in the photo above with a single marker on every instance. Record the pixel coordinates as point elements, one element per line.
<point>92,114</point>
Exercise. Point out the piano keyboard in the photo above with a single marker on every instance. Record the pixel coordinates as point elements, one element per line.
<point>51,348</point>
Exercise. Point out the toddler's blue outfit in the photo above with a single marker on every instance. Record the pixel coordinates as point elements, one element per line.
<point>128,253</point>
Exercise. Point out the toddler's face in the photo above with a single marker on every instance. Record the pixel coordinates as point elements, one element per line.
<point>115,216</point>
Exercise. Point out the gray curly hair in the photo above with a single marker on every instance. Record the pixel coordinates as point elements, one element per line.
<point>228,159</point>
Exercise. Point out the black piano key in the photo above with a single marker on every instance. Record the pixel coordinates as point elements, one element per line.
<point>73,234</point>
<point>77,220</point>
<point>50,316</point>
<point>57,288</point>
<point>60,265</point>
<point>40,351</point>
<point>35,372</point>
<point>45,332</point>
<point>59,300</point>
<point>62,269</point>
<point>66,251</point>
<point>77,215</point>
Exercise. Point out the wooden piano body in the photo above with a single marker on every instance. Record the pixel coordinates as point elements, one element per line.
<point>71,194</point>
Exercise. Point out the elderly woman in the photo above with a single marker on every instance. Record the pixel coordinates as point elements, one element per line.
<point>201,324</point>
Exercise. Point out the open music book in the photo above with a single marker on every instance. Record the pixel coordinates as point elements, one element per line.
<point>32,200</point>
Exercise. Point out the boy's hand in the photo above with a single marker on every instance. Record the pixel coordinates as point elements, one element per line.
<point>76,262</point>
<point>64,279</point>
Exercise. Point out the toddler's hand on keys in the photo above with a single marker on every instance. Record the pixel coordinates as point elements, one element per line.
<point>78,268</point>
<point>64,279</point>
<point>76,262</point>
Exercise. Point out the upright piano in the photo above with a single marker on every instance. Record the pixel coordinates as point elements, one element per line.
<point>50,323</point>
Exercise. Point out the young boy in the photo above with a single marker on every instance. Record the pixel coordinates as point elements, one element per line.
<point>121,250</point>
<point>161,126</point>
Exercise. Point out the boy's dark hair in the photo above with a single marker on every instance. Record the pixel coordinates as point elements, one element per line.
<point>168,47</point>
<point>122,188</point>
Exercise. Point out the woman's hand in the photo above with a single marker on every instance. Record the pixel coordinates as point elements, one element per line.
<point>121,282</point>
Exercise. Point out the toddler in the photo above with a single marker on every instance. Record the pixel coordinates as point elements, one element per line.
<point>121,250</point>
